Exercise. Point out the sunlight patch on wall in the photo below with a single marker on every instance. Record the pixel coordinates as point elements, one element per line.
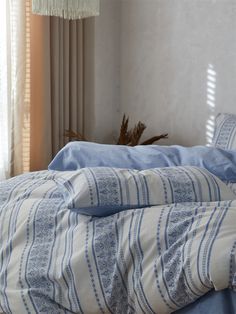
<point>211,102</point>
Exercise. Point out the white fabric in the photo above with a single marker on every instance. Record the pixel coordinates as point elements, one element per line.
<point>102,191</point>
<point>225,131</point>
<point>147,260</point>
<point>14,87</point>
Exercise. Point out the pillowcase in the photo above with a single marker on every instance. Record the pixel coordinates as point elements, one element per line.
<point>225,131</point>
<point>105,191</point>
<point>77,155</point>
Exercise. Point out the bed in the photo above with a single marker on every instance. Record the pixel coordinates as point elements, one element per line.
<point>105,230</point>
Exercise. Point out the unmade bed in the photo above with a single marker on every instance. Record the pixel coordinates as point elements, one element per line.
<point>95,237</point>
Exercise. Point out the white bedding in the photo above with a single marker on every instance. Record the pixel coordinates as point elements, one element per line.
<point>152,260</point>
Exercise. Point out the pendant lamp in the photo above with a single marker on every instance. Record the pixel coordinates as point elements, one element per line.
<point>68,9</point>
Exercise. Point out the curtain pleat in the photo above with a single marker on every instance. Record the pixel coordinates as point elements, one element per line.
<point>80,70</point>
<point>41,111</point>
<point>61,81</point>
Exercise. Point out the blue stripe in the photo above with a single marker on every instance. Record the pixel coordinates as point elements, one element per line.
<point>27,256</point>
<point>137,189</point>
<point>62,264</point>
<point>198,183</point>
<point>134,264</point>
<point>188,254</point>
<point>189,251</point>
<point>11,231</point>
<point>219,222</point>
<point>166,227</point>
<point>159,250</point>
<point>147,191</point>
<point>122,259</point>
<point>207,181</point>
<point>217,189</point>
<point>98,274</point>
<point>191,180</point>
<point>92,280</point>
<point>96,185</point>
<point>33,253</point>
<point>199,249</point>
<point>143,188</point>
<point>219,128</point>
<point>120,187</point>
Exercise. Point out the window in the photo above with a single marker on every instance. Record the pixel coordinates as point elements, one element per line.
<point>14,87</point>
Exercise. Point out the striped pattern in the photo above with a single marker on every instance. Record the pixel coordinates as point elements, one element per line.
<point>153,260</point>
<point>104,191</point>
<point>225,131</point>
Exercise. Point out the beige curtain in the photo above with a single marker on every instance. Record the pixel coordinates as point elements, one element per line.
<point>57,92</point>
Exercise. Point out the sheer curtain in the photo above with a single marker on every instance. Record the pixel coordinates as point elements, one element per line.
<point>41,86</point>
<point>14,87</point>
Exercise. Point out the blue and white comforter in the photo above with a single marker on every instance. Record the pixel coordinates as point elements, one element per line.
<point>152,260</point>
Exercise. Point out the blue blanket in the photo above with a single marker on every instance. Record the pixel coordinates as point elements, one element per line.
<point>76,155</point>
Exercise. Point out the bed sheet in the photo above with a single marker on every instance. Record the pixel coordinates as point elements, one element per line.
<point>214,302</point>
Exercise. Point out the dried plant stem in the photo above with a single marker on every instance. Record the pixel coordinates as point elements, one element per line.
<point>127,137</point>
<point>74,136</point>
<point>154,139</point>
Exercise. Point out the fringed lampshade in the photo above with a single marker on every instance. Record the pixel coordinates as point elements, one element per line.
<point>68,9</point>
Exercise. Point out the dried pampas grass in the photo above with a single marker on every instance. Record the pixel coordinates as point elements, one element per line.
<point>129,137</point>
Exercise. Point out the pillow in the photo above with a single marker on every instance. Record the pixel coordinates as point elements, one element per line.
<point>225,131</point>
<point>77,155</point>
<point>105,191</point>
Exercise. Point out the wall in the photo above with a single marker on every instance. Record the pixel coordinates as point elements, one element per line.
<point>178,65</point>
<point>102,54</point>
<point>169,63</point>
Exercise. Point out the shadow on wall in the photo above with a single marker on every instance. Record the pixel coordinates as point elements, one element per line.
<point>211,102</point>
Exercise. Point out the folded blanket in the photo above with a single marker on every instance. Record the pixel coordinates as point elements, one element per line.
<point>104,191</point>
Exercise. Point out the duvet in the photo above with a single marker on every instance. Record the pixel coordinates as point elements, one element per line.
<point>155,259</point>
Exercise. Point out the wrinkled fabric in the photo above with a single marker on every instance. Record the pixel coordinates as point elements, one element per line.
<point>103,191</point>
<point>77,155</point>
<point>152,260</point>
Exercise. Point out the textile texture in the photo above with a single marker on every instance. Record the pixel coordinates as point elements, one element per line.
<point>104,191</point>
<point>77,155</point>
<point>147,260</point>
<point>225,131</point>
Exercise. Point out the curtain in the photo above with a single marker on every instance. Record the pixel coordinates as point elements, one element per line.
<point>14,87</point>
<point>57,90</point>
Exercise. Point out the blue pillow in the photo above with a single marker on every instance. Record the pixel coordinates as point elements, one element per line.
<point>105,191</point>
<point>77,155</point>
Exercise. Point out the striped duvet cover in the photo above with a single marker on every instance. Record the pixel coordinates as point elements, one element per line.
<point>146,260</point>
